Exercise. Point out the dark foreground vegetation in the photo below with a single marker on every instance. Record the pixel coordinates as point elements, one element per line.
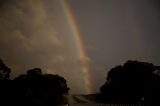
<point>32,88</point>
<point>133,83</point>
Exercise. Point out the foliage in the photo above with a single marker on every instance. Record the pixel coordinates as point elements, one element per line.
<point>4,71</point>
<point>32,89</point>
<point>131,83</point>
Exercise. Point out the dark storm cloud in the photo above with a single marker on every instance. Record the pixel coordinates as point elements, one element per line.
<point>115,31</point>
<point>33,33</point>
<point>25,29</point>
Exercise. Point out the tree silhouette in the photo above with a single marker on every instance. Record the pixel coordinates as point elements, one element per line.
<point>5,84</point>
<point>37,89</point>
<point>133,82</point>
<point>32,89</point>
<point>4,71</point>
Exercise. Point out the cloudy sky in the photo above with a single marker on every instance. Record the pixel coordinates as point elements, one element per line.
<point>115,31</point>
<point>35,33</point>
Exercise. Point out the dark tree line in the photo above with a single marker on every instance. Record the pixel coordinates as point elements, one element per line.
<point>131,83</point>
<point>32,88</point>
<point>134,82</point>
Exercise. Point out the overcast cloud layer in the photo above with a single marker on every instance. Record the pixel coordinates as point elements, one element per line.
<point>34,33</point>
<point>115,31</point>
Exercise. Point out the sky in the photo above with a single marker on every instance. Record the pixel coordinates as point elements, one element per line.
<point>36,33</point>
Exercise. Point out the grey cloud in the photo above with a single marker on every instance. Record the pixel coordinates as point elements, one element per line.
<point>32,36</point>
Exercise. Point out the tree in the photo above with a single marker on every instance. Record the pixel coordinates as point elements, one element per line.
<point>37,89</point>
<point>132,83</point>
<point>5,83</point>
<point>32,89</point>
<point>4,71</point>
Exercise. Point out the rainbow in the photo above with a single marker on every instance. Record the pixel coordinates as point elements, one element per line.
<point>79,43</point>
